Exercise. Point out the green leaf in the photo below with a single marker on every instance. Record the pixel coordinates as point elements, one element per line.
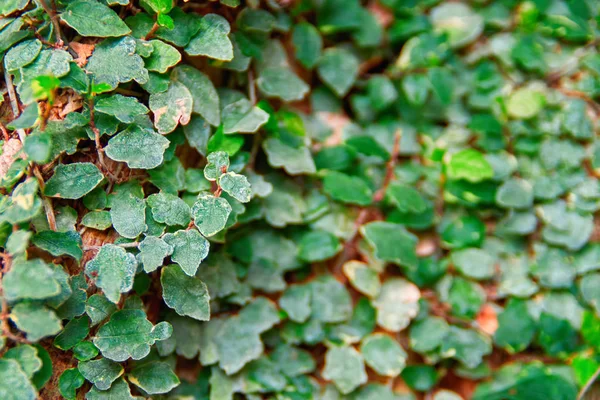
<point>427,334</point>
<point>318,245</point>
<point>154,377</point>
<point>74,332</point>
<point>163,57</point>
<point>282,83</point>
<point>330,301</point>
<point>469,164</point>
<point>27,357</point>
<point>345,367</point>
<point>210,214</point>
<point>14,383</point>
<point>59,243</point>
<point>397,304</point>
<point>296,302</point>
<point>85,351</point>
<point>138,147</point>
<point>172,107</point>
<point>36,321</point>
<point>125,109</point>
<point>97,220</point>
<point>338,69</point>
<point>114,61</point>
<point>113,270</point>
<point>189,249</point>
<point>391,242</point>
<point>294,160</point>
<point>347,189</point>
<point>242,117</point>
<point>187,295</point>
<point>589,290</point>
<point>206,99</point>
<point>307,44</point>
<point>515,193</point>
<point>31,279</point>
<point>73,181</point>
<point>516,328</point>
<point>406,198</point>
<point>466,345</point>
<point>153,251</point>
<point>128,334</point>
<point>212,39</point>
<point>24,203</point>
<point>185,27</point>
<point>99,308</point>
<point>525,103</point>
<point>128,211</point>
<point>93,19</point>
<point>22,54</point>
<point>119,390</point>
<point>362,278</point>
<point>68,383</point>
<point>217,164</point>
<point>458,21</point>
<point>169,209</point>
<point>237,186</point>
<point>474,263</point>
<point>101,373</point>
<point>383,354</point>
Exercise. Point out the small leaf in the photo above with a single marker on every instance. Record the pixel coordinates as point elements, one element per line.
<point>138,147</point>
<point>210,214</point>
<point>345,367</point>
<point>125,109</point>
<point>525,103</point>
<point>101,373</point>
<point>242,117</point>
<point>128,334</point>
<point>27,357</point>
<point>391,242</point>
<point>237,186</point>
<point>347,189</point>
<point>153,251</point>
<point>14,383</point>
<point>31,279</point>
<point>59,243</point>
<point>189,249</point>
<point>35,320</point>
<point>206,98</point>
<point>99,308</point>
<point>97,220</point>
<point>113,270</point>
<point>169,209</point>
<point>515,193</point>
<point>217,164</point>
<point>154,377</point>
<point>188,296</point>
<point>212,39</point>
<point>93,19</point>
<point>338,68</point>
<point>172,107</point>
<point>307,44</point>
<point>74,332</point>
<point>163,57</point>
<point>397,304</point>
<point>318,245</point>
<point>73,181</point>
<point>119,390</point>
<point>282,83</point>
<point>68,383</point>
<point>294,160</point>
<point>128,211</point>
<point>383,354</point>
<point>362,278</point>
<point>469,164</point>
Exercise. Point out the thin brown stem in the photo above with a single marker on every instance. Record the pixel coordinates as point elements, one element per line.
<point>46,201</point>
<point>152,31</point>
<point>389,171</point>
<point>14,103</point>
<point>251,86</point>
<point>53,19</point>
<point>131,245</point>
<point>99,148</point>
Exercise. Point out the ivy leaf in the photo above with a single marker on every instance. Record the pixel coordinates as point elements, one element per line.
<point>318,245</point>
<point>22,54</point>
<point>362,278</point>
<point>459,22</point>
<point>391,242</point>
<point>397,304</point>
<point>14,383</point>
<point>281,82</point>
<point>515,193</point>
<point>59,243</point>
<point>525,103</point>
<point>474,263</point>
<point>338,68</point>
<point>119,390</point>
<point>347,189</point>
<point>31,279</point>
<point>407,199</point>
<point>138,147</point>
<point>68,383</point>
<point>516,328</point>
<point>169,209</point>
<point>27,357</point>
<point>469,164</point>
<point>307,44</point>
<point>206,99</point>
<point>35,320</point>
<point>345,367</point>
<point>188,296</point>
<point>101,373</point>
<point>294,160</point>
<point>73,181</point>
<point>296,302</point>
<point>172,107</point>
<point>210,214</point>
<point>237,186</point>
<point>427,334</point>
<point>125,109</point>
<point>73,333</point>
<point>466,345</point>
<point>241,116</point>
<point>154,377</point>
<point>217,165</point>
<point>212,39</point>
<point>163,57</point>
<point>115,61</point>
<point>153,251</point>
<point>189,249</point>
<point>98,308</point>
<point>93,19</point>
<point>24,203</point>
<point>185,27</point>
<point>128,334</point>
<point>113,270</point>
<point>330,301</point>
<point>128,211</point>
<point>383,354</point>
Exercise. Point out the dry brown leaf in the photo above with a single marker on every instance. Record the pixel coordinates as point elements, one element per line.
<point>487,319</point>
<point>9,151</point>
<point>83,50</point>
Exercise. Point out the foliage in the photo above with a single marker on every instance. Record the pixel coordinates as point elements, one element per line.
<point>299,199</point>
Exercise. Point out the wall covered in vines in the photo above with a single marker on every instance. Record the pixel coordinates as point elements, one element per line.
<point>299,199</point>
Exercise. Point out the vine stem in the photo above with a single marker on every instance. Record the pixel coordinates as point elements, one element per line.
<point>14,103</point>
<point>389,171</point>
<point>48,208</point>
<point>55,24</point>
<point>99,148</point>
<point>588,384</point>
<point>123,245</point>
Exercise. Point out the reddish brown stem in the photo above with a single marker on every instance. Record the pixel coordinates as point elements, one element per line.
<point>389,172</point>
